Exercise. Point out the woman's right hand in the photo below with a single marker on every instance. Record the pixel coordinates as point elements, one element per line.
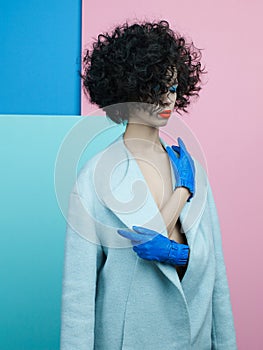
<point>183,166</point>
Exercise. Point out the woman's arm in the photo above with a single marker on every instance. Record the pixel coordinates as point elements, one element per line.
<point>173,207</point>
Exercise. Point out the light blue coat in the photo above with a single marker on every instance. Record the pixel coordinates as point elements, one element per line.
<point>112,299</point>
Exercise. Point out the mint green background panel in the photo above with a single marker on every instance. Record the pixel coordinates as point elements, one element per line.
<point>32,226</point>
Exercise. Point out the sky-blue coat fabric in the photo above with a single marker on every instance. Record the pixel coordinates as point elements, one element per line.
<point>111,298</point>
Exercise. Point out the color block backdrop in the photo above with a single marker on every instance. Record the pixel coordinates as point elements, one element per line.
<point>40,102</point>
<point>39,59</point>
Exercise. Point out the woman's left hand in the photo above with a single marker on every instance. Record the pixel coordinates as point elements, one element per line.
<point>183,166</point>
<point>151,245</point>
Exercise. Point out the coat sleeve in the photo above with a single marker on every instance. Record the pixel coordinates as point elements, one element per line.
<point>223,330</point>
<point>83,257</point>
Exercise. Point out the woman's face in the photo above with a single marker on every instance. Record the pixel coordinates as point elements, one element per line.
<point>155,115</point>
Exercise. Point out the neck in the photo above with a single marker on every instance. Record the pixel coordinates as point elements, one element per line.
<point>141,138</point>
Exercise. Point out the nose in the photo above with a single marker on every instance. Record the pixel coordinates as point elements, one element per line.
<point>169,97</point>
<point>166,97</point>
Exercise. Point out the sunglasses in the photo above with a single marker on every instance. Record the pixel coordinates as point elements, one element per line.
<point>172,88</point>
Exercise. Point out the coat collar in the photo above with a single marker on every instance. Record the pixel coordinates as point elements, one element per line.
<point>135,205</point>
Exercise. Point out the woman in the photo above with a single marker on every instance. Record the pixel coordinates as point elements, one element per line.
<point>137,274</point>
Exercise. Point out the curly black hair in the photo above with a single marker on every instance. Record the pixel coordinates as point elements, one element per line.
<point>128,64</point>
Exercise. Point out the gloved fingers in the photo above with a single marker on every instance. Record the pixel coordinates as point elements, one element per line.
<point>132,236</point>
<point>182,145</point>
<point>145,231</point>
<point>176,149</point>
<point>172,155</point>
<point>187,154</point>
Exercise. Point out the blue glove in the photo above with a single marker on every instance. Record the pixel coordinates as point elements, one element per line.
<point>183,166</point>
<point>151,245</point>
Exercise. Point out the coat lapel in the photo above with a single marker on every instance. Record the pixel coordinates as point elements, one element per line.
<point>130,199</point>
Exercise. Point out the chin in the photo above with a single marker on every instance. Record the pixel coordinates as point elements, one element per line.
<point>163,120</point>
<point>164,123</point>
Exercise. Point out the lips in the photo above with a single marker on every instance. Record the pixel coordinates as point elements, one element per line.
<point>166,113</point>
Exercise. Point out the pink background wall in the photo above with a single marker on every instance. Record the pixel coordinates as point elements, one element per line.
<point>226,119</point>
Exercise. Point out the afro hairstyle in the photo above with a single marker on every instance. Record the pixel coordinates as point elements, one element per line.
<point>128,64</point>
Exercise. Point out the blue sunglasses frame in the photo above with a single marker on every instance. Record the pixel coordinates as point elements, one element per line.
<point>172,88</point>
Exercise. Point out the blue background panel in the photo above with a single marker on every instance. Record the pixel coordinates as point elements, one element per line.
<point>40,55</point>
<point>33,227</point>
